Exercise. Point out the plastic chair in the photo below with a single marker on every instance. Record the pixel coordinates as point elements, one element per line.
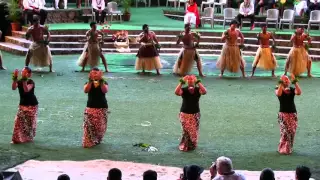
<point>113,10</point>
<point>228,15</point>
<point>288,18</point>
<point>221,3</point>
<point>208,15</point>
<point>272,16</point>
<point>208,2</point>
<point>314,19</point>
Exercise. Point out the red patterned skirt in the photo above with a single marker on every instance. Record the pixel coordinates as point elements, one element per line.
<point>94,126</point>
<point>288,125</point>
<point>190,131</point>
<point>25,124</point>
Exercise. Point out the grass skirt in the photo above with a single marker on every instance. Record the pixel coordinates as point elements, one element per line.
<point>267,60</point>
<point>92,51</point>
<point>288,123</point>
<point>298,59</point>
<point>148,58</point>
<point>230,59</point>
<point>94,126</point>
<point>185,61</point>
<point>25,124</point>
<point>41,54</point>
<point>190,131</point>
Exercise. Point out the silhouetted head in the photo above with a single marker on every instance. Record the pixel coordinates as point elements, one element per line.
<point>63,177</point>
<point>145,28</point>
<point>114,174</point>
<point>267,174</point>
<point>93,25</point>
<point>303,173</point>
<point>150,175</point>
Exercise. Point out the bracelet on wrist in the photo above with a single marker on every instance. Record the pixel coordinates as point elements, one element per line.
<point>198,81</point>
<point>182,81</point>
<point>295,81</point>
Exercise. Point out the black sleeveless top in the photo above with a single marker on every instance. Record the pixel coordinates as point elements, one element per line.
<point>27,98</point>
<point>190,102</point>
<point>96,98</point>
<point>287,104</point>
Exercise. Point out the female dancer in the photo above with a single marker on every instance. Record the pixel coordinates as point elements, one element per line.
<point>287,116</point>
<point>148,56</point>
<point>26,119</point>
<point>231,58</point>
<point>192,15</point>
<point>298,60</point>
<point>96,112</point>
<point>190,112</point>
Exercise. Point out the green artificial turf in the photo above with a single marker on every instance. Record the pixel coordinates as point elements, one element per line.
<point>10,158</point>
<point>239,117</point>
<point>157,21</point>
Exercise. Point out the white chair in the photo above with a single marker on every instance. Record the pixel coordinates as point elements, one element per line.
<point>175,2</point>
<point>314,19</point>
<point>113,10</point>
<point>144,1</point>
<point>150,3</point>
<point>221,3</point>
<point>288,18</point>
<point>208,2</point>
<point>272,16</point>
<point>228,15</point>
<point>208,15</point>
<point>185,2</point>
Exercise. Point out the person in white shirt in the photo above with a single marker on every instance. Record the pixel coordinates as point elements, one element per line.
<point>61,4</point>
<point>99,10</point>
<point>300,7</point>
<point>246,10</point>
<point>223,167</point>
<point>35,7</point>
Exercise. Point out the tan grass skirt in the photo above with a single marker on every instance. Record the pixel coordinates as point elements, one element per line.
<point>230,59</point>
<point>41,54</point>
<point>298,59</point>
<point>265,59</point>
<point>93,50</point>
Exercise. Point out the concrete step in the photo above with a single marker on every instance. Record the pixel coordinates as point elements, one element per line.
<point>165,45</point>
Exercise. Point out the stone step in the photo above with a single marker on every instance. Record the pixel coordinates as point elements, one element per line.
<point>165,45</point>
<point>9,47</point>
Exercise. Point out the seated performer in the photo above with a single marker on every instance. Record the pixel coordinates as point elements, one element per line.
<point>264,57</point>
<point>92,49</point>
<point>231,58</point>
<point>39,53</point>
<point>26,119</point>
<point>192,15</point>
<point>96,112</point>
<point>188,54</point>
<point>35,7</point>
<point>190,111</point>
<point>98,7</point>
<point>1,65</point>
<point>148,55</point>
<point>287,116</point>
<point>61,4</point>
<point>246,10</point>
<point>298,59</point>
<point>121,41</point>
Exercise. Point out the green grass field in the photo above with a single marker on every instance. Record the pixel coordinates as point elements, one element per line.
<point>239,117</point>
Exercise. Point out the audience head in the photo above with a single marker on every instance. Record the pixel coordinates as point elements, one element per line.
<point>93,25</point>
<point>63,177</point>
<point>1,176</point>
<point>267,174</point>
<point>145,28</point>
<point>114,174</point>
<point>194,172</point>
<point>187,27</point>
<point>246,2</point>
<point>234,23</point>
<point>184,175</point>
<point>150,175</point>
<point>224,165</point>
<point>303,173</point>
<point>35,19</point>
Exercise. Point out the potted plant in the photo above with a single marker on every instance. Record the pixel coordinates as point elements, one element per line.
<point>126,6</point>
<point>14,15</point>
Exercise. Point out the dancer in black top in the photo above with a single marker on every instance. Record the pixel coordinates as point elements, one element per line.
<point>190,111</point>
<point>26,118</point>
<point>96,112</point>
<point>287,116</point>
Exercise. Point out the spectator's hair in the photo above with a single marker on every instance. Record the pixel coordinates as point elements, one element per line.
<point>150,175</point>
<point>303,173</point>
<point>226,162</point>
<point>234,22</point>
<point>28,69</point>
<point>63,177</point>
<point>267,174</point>
<point>1,176</point>
<point>115,174</point>
<point>185,173</point>
<point>92,24</point>
<point>144,26</point>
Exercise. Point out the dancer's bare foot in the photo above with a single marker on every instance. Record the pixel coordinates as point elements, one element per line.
<point>310,75</point>
<point>274,76</point>
<point>202,75</point>
<point>107,70</point>
<point>220,75</point>
<point>2,68</point>
<point>51,71</point>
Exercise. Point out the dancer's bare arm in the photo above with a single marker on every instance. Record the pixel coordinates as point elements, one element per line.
<point>224,35</point>
<point>180,38</point>
<point>279,90</point>
<point>202,89</point>
<point>28,33</point>
<point>14,85</point>
<point>155,39</point>
<point>47,32</point>
<point>240,35</point>
<point>298,89</point>
<point>88,35</point>
<point>273,39</point>
<point>178,90</point>
<point>102,35</point>
<point>104,88</point>
<point>293,38</point>
<point>87,87</point>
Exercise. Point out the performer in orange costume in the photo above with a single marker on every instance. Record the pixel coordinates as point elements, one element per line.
<point>192,15</point>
